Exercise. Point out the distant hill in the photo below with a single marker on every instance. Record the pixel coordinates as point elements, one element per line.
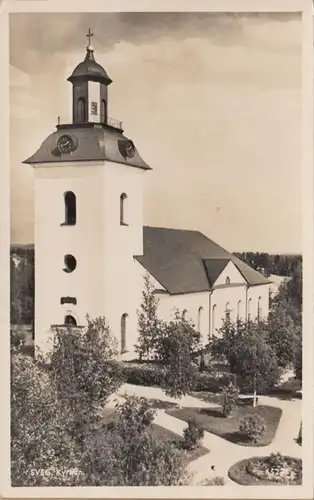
<point>22,284</point>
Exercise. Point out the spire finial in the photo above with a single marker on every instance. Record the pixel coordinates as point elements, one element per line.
<point>89,35</point>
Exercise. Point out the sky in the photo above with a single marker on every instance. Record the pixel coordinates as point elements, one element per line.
<point>211,101</point>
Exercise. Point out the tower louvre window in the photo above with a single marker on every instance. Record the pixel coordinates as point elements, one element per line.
<point>70,208</point>
<point>81,110</point>
<point>94,108</point>
<point>103,111</point>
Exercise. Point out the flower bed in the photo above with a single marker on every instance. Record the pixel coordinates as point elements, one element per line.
<point>272,470</point>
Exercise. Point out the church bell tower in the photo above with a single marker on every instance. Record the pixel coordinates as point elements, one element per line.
<point>88,187</point>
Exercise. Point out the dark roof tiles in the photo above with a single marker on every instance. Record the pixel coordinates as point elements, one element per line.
<point>94,143</point>
<point>184,261</point>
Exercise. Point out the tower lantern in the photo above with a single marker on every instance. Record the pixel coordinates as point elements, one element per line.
<point>90,89</point>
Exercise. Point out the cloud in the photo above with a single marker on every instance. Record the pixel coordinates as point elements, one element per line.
<point>212,102</point>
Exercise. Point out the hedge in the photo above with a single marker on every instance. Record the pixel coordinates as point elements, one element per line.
<point>151,375</point>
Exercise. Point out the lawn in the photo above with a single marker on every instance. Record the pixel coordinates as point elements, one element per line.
<point>211,420</point>
<point>239,473</point>
<point>162,434</point>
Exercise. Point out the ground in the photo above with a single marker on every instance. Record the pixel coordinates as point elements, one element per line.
<point>223,454</point>
<point>211,420</point>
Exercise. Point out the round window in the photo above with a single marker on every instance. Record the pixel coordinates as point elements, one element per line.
<point>70,263</point>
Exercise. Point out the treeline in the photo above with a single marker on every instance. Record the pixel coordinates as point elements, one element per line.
<point>267,264</point>
<point>22,269</point>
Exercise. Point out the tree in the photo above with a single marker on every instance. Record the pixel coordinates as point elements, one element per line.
<point>249,355</point>
<point>257,369</point>
<point>40,427</point>
<point>148,323</point>
<point>86,372</point>
<point>298,362</point>
<point>282,335</point>
<point>175,349</point>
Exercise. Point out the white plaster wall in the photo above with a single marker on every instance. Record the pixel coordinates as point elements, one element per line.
<point>230,295</point>
<point>122,281</point>
<point>191,302</point>
<point>53,241</point>
<point>93,96</point>
<point>254,292</point>
<point>232,272</point>
<point>105,281</point>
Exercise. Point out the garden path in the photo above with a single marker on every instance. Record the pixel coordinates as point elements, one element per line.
<point>223,454</point>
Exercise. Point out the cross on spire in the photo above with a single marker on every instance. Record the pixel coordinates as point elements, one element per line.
<point>89,35</point>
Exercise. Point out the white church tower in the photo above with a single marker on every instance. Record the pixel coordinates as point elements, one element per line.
<point>88,215</point>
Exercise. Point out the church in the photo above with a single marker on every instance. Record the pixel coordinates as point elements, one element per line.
<point>92,250</point>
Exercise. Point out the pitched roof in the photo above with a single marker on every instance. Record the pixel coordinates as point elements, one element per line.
<point>186,261</point>
<point>94,142</point>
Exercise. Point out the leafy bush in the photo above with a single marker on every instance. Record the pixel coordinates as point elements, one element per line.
<point>253,426</point>
<point>193,435</point>
<point>142,374</point>
<point>126,454</point>
<point>205,381</point>
<point>150,375</point>
<point>229,398</point>
<point>40,427</point>
<point>134,416</point>
<point>276,468</point>
<point>215,481</point>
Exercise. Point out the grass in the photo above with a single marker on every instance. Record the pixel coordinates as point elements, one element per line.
<point>239,474</point>
<point>162,434</point>
<point>211,420</point>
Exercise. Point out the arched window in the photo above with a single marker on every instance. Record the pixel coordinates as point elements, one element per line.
<point>70,208</point>
<point>227,280</point>
<point>249,307</point>
<point>227,312</point>
<point>70,320</point>
<point>239,310</point>
<point>123,202</point>
<point>214,318</point>
<point>199,319</point>
<point>184,314</point>
<point>103,111</point>
<point>81,110</point>
<point>124,319</point>
<point>259,309</point>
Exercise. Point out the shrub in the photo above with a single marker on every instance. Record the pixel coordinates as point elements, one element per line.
<point>134,416</point>
<point>253,426</point>
<point>205,381</point>
<point>215,481</point>
<point>229,397</point>
<point>126,454</point>
<point>142,374</point>
<point>40,427</point>
<point>17,338</point>
<point>277,468</point>
<point>193,435</point>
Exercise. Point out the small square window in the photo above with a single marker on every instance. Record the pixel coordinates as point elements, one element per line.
<point>94,110</point>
